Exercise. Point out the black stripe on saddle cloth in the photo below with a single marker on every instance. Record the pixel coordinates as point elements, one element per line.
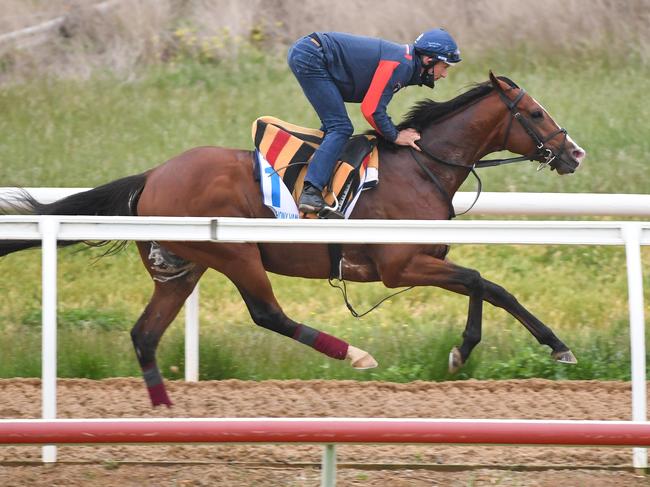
<point>288,148</point>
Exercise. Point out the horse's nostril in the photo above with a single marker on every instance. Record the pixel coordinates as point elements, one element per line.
<point>578,154</point>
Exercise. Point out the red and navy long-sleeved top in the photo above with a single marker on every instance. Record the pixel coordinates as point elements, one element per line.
<point>370,71</point>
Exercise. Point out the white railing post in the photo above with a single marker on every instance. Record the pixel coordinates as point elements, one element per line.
<point>192,336</point>
<point>632,237</point>
<point>49,227</point>
<point>328,466</point>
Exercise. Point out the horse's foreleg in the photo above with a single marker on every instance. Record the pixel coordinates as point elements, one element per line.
<point>167,300</point>
<point>425,270</point>
<point>472,282</point>
<point>498,296</point>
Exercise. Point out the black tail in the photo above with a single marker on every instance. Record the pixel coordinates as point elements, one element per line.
<point>118,198</point>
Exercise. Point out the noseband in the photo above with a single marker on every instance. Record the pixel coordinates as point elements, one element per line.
<point>541,152</point>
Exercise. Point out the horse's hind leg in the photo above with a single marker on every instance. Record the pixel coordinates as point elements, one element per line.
<point>268,314</point>
<point>170,292</point>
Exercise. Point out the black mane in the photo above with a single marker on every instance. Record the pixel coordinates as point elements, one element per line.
<point>424,112</point>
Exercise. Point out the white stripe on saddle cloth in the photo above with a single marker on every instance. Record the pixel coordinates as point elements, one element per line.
<point>276,194</point>
<point>278,198</point>
<point>369,181</point>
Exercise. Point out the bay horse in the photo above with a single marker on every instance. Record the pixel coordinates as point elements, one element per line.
<point>216,181</point>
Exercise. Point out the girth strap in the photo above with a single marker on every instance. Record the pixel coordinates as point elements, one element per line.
<point>336,254</point>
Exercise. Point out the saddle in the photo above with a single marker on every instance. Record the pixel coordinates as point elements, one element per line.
<point>288,149</point>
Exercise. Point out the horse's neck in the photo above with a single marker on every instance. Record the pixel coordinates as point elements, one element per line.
<point>463,139</point>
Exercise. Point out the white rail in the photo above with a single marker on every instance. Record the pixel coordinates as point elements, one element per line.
<point>49,229</point>
<point>559,204</point>
<point>565,204</point>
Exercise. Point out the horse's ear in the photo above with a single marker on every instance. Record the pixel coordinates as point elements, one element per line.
<point>495,82</point>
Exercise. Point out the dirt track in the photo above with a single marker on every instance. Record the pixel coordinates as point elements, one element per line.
<point>262,465</point>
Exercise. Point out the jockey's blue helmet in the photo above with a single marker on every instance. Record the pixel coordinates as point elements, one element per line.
<point>438,44</point>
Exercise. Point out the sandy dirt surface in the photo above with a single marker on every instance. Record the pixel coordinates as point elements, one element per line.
<point>297,465</point>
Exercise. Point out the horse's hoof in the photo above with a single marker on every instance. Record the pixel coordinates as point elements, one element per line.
<point>360,359</point>
<point>565,357</point>
<point>455,360</point>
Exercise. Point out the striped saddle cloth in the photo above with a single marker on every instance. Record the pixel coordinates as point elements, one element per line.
<point>283,151</point>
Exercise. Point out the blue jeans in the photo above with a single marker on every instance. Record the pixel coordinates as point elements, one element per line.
<point>307,62</point>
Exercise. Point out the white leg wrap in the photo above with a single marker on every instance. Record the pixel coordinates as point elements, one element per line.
<point>360,359</point>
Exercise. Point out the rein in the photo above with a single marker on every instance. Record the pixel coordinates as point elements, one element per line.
<point>540,151</point>
<point>438,184</point>
<point>548,155</point>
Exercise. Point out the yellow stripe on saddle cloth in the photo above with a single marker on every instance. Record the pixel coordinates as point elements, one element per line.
<point>288,148</point>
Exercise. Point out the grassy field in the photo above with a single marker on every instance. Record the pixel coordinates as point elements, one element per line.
<point>108,128</point>
<point>84,132</point>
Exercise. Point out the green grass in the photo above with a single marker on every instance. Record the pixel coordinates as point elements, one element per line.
<point>579,291</point>
<point>84,133</point>
<point>107,128</point>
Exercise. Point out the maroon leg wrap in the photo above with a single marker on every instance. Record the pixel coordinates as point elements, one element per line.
<point>324,343</point>
<point>158,395</point>
<point>331,346</point>
<point>155,385</point>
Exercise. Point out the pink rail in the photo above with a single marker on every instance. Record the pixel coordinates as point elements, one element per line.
<point>325,431</point>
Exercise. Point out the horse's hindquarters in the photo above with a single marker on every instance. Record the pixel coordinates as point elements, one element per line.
<point>205,181</point>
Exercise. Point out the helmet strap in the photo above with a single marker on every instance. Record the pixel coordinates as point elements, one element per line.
<point>427,78</point>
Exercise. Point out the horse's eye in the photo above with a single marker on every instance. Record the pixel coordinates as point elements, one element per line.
<point>537,114</point>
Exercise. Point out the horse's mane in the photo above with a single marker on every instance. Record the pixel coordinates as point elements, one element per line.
<point>427,111</point>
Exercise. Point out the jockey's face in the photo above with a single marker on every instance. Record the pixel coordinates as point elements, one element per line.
<point>438,70</point>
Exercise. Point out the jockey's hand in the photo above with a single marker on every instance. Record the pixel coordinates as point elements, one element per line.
<point>408,137</point>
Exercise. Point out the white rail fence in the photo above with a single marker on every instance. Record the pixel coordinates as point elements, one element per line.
<point>557,204</point>
<point>50,229</point>
<point>562,204</point>
<point>630,234</point>
<point>580,204</point>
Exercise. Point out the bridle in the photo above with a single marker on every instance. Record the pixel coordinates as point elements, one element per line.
<point>547,155</point>
<point>541,152</point>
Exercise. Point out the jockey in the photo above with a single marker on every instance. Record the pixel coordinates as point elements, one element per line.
<point>333,68</point>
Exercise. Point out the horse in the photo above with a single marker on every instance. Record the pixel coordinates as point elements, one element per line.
<point>217,181</point>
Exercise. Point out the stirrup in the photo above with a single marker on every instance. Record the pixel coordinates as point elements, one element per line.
<point>330,212</point>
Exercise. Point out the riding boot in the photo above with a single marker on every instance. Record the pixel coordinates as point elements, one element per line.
<point>311,199</point>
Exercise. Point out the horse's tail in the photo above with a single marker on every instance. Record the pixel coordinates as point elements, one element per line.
<point>118,198</point>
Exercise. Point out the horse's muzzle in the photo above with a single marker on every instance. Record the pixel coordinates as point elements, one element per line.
<point>571,158</point>
<point>565,165</point>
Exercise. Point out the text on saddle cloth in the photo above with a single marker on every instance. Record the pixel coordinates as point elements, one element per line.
<point>282,153</point>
